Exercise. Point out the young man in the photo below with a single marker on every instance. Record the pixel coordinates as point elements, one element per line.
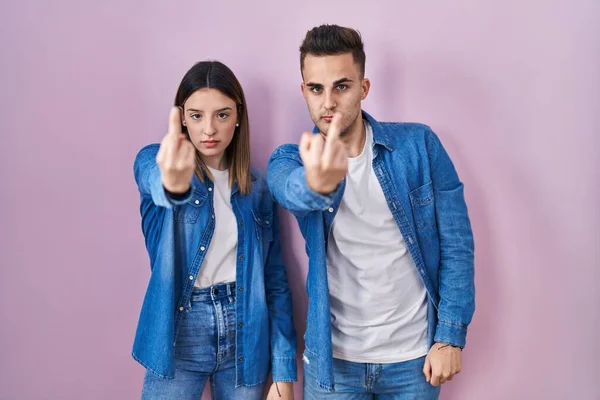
<point>390,281</point>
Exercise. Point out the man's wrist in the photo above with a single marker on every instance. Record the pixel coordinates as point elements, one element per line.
<point>443,345</point>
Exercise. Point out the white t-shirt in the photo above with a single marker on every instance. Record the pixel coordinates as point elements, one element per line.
<point>378,300</point>
<point>219,264</point>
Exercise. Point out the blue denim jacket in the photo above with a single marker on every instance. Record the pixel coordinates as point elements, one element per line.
<point>426,199</point>
<point>177,235</point>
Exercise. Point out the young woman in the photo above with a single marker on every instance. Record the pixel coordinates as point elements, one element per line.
<point>218,306</point>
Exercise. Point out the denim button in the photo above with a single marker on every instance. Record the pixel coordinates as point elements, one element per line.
<point>191,277</point>
<point>241,257</point>
<point>180,308</point>
<point>197,202</point>
<point>202,248</point>
<point>241,324</point>
<point>241,358</point>
<point>330,209</point>
<point>241,289</point>
<point>210,189</point>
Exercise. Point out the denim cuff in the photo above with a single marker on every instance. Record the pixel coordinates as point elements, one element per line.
<point>315,200</point>
<point>160,195</point>
<point>179,198</point>
<point>284,369</point>
<point>453,334</point>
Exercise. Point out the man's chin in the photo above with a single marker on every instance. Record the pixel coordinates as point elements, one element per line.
<point>322,126</point>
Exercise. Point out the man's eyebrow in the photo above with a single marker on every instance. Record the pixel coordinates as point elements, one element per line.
<point>335,83</point>
<point>342,80</point>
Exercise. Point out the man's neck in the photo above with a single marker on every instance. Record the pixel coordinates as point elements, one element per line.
<point>355,140</point>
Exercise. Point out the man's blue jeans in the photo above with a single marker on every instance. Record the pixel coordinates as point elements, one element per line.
<point>358,381</point>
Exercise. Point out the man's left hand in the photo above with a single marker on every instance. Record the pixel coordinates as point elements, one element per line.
<point>442,363</point>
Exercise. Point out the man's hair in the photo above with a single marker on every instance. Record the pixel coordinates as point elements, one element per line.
<point>331,40</point>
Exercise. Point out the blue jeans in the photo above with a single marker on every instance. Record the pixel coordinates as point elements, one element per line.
<point>205,348</point>
<point>358,381</point>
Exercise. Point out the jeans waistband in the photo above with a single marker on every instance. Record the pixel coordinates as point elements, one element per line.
<point>215,292</point>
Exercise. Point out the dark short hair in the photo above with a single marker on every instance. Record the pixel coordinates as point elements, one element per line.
<point>330,40</point>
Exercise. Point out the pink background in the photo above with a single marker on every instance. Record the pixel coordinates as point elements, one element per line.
<point>512,87</point>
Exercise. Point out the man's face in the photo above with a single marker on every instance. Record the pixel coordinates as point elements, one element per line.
<point>333,84</point>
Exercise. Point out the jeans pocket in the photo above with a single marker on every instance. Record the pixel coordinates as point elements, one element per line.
<point>196,331</point>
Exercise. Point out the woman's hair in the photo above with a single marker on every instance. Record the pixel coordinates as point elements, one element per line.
<point>216,75</point>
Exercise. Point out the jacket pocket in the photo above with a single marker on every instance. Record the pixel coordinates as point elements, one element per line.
<point>423,207</point>
<point>264,226</point>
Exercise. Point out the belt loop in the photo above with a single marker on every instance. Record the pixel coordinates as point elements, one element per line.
<point>231,292</point>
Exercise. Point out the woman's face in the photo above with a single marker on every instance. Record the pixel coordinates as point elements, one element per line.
<point>210,118</point>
